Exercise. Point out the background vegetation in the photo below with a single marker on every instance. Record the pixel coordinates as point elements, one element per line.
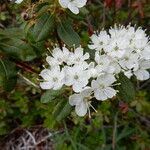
<point>26,31</point>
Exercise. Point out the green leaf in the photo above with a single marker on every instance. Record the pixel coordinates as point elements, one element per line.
<point>8,74</point>
<point>50,95</point>
<point>18,49</point>
<point>43,27</point>
<point>12,33</point>
<point>62,110</point>
<point>126,89</point>
<point>67,34</point>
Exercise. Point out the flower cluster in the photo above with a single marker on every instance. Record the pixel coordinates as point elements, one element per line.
<point>122,49</point>
<point>73,5</point>
<point>126,48</point>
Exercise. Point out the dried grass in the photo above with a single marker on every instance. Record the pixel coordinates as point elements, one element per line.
<point>36,138</point>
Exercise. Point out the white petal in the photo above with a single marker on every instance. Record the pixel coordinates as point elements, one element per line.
<point>73,8</point>
<point>57,52</point>
<point>46,85</point>
<point>78,87</point>
<point>110,92</point>
<point>79,51</point>
<point>94,39</point>
<point>46,74</point>
<point>100,95</point>
<point>58,85</point>
<point>128,74</point>
<point>107,79</point>
<point>86,56</point>
<point>18,1</point>
<point>64,3</point>
<point>81,109</point>
<point>146,53</point>
<point>92,46</point>
<point>87,91</point>
<point>80,3</point>
<point>68,80</point>
<point>51,61</point>
<point>75,99</point>
<point>145,64</point>
<point>142,74</point>
<point>94,84</point>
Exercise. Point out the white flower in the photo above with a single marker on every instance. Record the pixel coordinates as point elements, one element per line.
<point>141,73</point>
<point>102,87</point>
<point>117,47</point>
<point>81,102</point>
<point>102,61</point>
<point>129,61</point>
<point>78,57</point>
<point>128,73</point>
<point>105,64</point>
<point>76,76</point>
<point>99,41</point>
<point>73,5</point>
<point>145,54</point>
<point>58,56</point>
<point>117,32</point>
<point>92,72</point>
<point>53,79</point>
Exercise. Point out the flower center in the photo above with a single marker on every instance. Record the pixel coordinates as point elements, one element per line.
<point>101,43</point>
<point>116,48</point>
<point>59,59</point>
<point>76,77</point>
<point>78,59</point>
<point>55,79</point>
<point>101,86</point>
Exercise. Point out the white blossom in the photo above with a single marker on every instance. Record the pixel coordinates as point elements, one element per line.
<point>102,87</point>
<point>78,57</point>
<point>77,76</point>
<point>121,49</point>
<point>81,101</point>
<point>141,73</point>
<point>58,56</point>
<point>92,72</point>
<point>73,5</point>
<point>99,41</point>
<point>53,79</point>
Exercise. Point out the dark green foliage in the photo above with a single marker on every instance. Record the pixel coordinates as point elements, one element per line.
<point>126,88</point>
<point>8,74</point>
<point>43,27</point>
<point>23,44</point>
<point>67,34</point>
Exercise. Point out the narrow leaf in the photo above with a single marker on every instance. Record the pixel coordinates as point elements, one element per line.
<point>8,74</point>
<point>43,27</point>
<point>67,34</point>
<point>126,89</point>
<point>50,95</point>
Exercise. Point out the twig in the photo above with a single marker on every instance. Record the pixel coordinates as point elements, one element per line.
<point>28,81</point>
<point>26,67</point>
<point>114,131</point>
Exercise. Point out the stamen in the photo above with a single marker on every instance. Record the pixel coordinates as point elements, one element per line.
<point>93,107</point>
<point>44,66</point>
<point>116,84</point>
